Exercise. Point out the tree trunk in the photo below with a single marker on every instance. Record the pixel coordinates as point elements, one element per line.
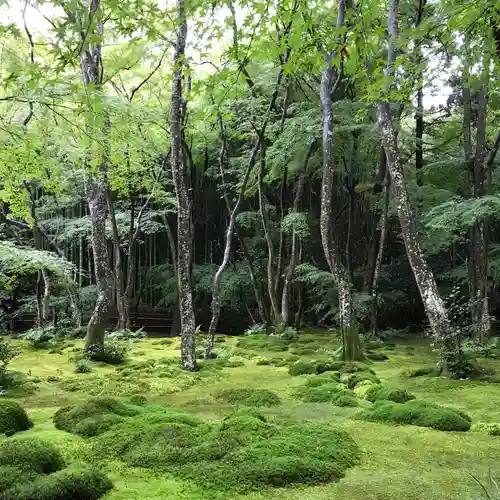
<point>271,290</point>
<point>446,336</point>
<point>382,232</point>
<point>350,337</point>
<point>178,165</point>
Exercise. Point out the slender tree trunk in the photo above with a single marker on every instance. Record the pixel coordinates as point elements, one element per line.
<point>271,290</point>
<point>382,231</point>
<point>446,336</point>
<point>287,281</point>
<point>178,164</point>
<point>350,337</point>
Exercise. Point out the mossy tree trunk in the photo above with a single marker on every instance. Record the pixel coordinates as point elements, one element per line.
<point>179,174</point>
<point>446,336</point>
<point>339,272</point>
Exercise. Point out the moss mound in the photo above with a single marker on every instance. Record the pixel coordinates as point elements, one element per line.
<point>249,397</point>
<point>94,416</point>
<point>31,455</point>
<point>491,428</point>
<point>422,371</point>
<point>308,453</point>
<point>322,379</point>
<point>62,485</point>
<point>330,392</point>
<point>302,367</point>
<point>263,342</point>
<point>353,379</point>
<point>377,392</point>
<point>416,412</point>
<point>244,451</point>
<point>278,362</point>
<point>13,418</point>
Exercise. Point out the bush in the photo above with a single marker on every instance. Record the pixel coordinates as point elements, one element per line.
<point>63,485</point>
<point>31,455</point>
<point>10,476</point>
<point>7,354</point>
<point>289,335</point>
<point>126,334</point>
<point>82,366</point>
<point>490,428</point>
<point>249,397</point>
<point>13,418</point>
<point>40,336</point>
<point>330,392</point>
<point>257,329</point>
<point>113,353</point>
<point>378,392</point>
<point>93,417</point>
<point>302,368</point>
<point>416,412</point>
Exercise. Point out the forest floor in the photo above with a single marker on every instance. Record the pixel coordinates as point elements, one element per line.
<point>398,462</point>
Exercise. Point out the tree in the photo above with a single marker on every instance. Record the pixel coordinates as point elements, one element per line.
<point>178,165</point>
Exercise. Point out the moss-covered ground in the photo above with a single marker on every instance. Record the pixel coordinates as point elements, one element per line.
<point>398,462</point>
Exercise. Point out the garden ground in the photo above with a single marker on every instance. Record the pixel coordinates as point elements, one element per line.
<point>398,462</point>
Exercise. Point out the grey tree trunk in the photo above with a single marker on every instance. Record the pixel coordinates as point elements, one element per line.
<point>350,337</point>
<point>446,336</point>
<point>178,165</point>
<point>96,183</point>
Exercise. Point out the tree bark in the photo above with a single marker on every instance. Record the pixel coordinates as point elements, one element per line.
<point>178,165</point>
<point>350,337</point>
<point>446,336</point>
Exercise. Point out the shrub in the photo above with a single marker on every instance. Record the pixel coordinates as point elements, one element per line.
<point>94,416</point>
<point>7,354</point>
<point>13,418</point>
<point>249,397</point>
<point>40,336</point>
<point>10,476</point>
<point>377,392</point>
<point>490,428</point>
<point>416,412</point>
<point>289,335</point>
<point>82,366</point>
<point>113,353</point>
<point>31,455</point>
<point>126,334</point>
<point>63,485</point>
<point>257,329</point>
<point>301,368</point>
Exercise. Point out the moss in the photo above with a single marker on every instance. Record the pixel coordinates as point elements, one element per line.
<point>355,378</point>
<point>13,418</point>
<point>377,356</point>
<point>490,428</point>
<point>322,379</point>
<point>422,371</point>
<point>163,342</point>
<point>246,425</point>
<point>31,455</point>
<point>92,417</point>
<point>416,412</point>
<point>278,362</point>
<point>302,368</point>
<point>63,485</point>
<point>325,393</point>
<point>249,397</point>
<point>308,453</point>
<point>378,392</point>
<point>262,342</point>
<point>331,366</point>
